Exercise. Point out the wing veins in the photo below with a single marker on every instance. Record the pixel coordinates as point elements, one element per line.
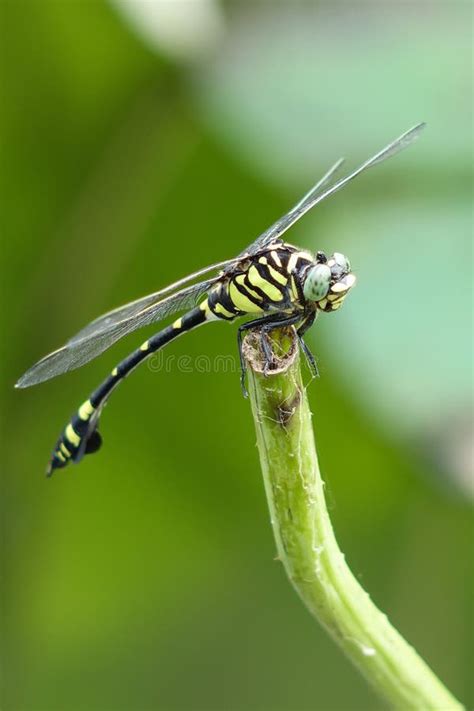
<point>76,353</point>
<point>314,196</point>
<point>134,308</point>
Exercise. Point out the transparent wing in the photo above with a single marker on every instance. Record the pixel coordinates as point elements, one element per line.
<point>108,320</point>
<point>270,234</point>
<point>317,194</point>
<point>320,184</point>
<point>108,329</point>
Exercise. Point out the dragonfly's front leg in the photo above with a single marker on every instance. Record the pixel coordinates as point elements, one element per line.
<point>310,359</point>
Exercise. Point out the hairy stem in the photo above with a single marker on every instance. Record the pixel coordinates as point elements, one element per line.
<point>305,539</point>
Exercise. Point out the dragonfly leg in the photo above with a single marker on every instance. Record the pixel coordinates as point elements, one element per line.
<point>268,323</point>
<point>310,359</point>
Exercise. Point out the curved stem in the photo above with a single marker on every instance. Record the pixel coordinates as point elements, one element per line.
<point>306,543</point>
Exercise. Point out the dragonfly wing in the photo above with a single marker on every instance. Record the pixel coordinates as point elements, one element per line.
<point>107,330</point>
<point>273,233</point>
<point>318,194</point>
<point>109,320</point>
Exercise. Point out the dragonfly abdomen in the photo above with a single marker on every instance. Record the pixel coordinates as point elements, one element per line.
<point>80,436</point>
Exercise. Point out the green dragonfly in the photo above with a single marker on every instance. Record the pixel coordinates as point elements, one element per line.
<point>278,283</point>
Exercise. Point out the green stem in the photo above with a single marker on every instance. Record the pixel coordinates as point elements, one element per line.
<point>306,543</point>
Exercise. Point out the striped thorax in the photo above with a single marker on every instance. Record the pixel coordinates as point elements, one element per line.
<point>284,279</point>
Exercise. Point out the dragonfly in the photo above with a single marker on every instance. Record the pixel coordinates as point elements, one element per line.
<point>272,281</point>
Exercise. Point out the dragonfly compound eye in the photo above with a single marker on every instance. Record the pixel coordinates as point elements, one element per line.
<point>317,282</point>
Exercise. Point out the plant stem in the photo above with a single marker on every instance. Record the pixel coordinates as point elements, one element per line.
<point>305,540</point>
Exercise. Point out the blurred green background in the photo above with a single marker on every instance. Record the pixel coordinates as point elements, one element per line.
<point>143,140</point>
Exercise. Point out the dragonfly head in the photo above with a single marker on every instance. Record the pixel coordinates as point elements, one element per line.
<point>328,281</point>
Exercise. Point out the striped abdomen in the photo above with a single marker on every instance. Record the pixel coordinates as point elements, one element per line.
<point>78,438</point>
<point>81,436</point>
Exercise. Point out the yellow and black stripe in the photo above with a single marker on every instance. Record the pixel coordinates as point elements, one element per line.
<point>265,283</point>
<point>335,297</point>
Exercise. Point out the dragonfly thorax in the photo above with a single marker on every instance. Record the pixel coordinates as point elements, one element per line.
<point>328,281</point>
